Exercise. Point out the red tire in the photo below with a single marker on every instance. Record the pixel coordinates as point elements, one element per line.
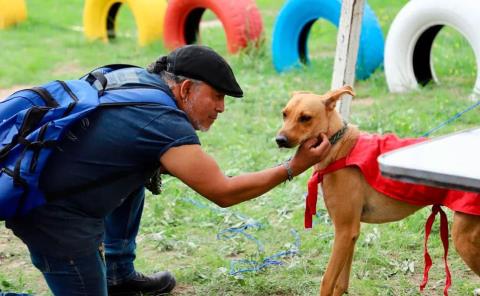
<point>241,21</point>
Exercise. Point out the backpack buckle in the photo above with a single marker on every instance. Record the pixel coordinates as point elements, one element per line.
<point>98,81</point>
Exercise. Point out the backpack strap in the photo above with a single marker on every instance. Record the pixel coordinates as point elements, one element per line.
<point>33,116</point>
<point>97,78</point>
<point>140,86</point>
<point>46,96</point>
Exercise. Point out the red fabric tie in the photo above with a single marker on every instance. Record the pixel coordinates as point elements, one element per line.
<point>311,200</point>
<point>312,194</point>
<point>444,235</point>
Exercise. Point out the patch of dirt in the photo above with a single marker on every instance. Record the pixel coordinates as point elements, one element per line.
<point>363,102</point>
<point>183,289</point>
<point>61,71</point>
<point>15,263</point>
<point>5,92</point>
<point>67,69</point>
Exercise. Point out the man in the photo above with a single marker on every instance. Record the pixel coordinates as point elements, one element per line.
<point>100,168</point>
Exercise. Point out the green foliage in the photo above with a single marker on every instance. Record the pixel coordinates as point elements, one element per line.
<point>180,236</point>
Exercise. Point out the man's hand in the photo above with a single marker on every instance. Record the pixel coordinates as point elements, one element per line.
<point>309,153</point>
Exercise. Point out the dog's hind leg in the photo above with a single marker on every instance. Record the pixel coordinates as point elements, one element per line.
<point>466,237</point>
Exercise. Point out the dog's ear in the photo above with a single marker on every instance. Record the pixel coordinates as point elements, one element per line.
<point>334,95</point>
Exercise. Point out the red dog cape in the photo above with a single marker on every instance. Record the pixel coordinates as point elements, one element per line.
<point>364,156</point>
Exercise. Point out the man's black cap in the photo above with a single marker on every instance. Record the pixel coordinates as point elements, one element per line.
<point>202,63</point>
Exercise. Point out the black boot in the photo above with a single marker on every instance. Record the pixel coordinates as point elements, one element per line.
<point>140,284</point>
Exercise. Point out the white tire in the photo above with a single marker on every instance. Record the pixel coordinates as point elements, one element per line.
<point>409,41</point>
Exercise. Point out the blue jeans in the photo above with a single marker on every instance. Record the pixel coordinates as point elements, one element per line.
<point>121,229</point>
<point>85,275</point>
<point>89,275</point>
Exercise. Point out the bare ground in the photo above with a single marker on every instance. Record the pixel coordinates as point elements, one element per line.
<point>14,257</point>
<point>5,92</point>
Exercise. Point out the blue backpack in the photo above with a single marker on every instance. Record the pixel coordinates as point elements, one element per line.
<point>33,120</point>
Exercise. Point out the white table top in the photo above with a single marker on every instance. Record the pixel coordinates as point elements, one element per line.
<point>451,161</point>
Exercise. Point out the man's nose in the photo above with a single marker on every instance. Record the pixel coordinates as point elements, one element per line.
<point>281,140</point>
<point>220,106</point>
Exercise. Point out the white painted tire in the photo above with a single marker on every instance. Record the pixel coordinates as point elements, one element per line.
<point>409,41</point>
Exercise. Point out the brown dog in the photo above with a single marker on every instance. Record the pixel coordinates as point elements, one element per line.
<point>348,197</point>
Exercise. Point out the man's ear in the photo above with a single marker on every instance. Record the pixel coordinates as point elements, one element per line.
<point>185,87</point>
<point>334,95</point>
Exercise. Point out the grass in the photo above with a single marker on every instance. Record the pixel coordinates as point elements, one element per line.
<point>179,235</point>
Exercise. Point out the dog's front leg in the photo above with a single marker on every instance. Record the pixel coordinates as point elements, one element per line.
<point>342,283</point>
<point>344,203</point>
<point>346,235</point>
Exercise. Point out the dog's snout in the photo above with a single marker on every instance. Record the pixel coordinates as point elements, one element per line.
<point>281,140</point>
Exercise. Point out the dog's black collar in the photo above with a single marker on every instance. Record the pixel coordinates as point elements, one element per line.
<point>338,135</point>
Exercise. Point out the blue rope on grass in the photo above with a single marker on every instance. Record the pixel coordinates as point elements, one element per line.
<point>249,223</point>
<point>255,266</point>
<point>233,231</point>
<point>454,117</point>
<point>221,211</point>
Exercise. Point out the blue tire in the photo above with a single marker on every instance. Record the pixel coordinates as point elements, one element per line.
<point>293,24</point>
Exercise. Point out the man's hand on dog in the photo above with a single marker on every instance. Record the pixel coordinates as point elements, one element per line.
<point>312,151</point>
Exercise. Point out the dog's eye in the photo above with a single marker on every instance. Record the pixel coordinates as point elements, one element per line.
<point>284,114</point>
<point>304,118</point>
